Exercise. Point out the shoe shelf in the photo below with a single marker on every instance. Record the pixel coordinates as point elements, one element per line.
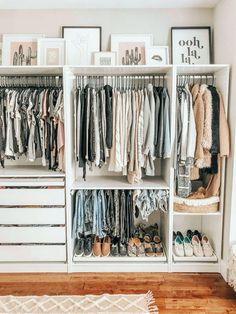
<point>118,183</point>
<point>218,213</point>
<point>156,259</point>
<point>212,259</point>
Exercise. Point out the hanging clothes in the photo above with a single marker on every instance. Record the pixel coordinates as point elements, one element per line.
<point>202,139</point>
<point>123,128</point>
<point>32,124</point>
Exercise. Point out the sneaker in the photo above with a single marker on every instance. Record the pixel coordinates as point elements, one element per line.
<point>179,247</point>
<point>106,246</point>
<point>198,234</point>
<point>188,248</point>
<point>189,234</point>
<point>123,249</point>
<point>206,246</point>
<point>197,248</point>
<point>97,249</point>
<point>79,248</point>
<point>178,233</point>
<point>88,247</point>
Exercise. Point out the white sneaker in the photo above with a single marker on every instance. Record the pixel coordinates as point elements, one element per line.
<point>178,247</point>
<point>197,248</point>
<point>188,248</point>
<point>207,248</point>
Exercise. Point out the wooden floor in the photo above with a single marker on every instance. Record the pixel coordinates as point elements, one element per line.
<point>174,293</point>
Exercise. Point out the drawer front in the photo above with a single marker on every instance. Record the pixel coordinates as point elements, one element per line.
<point>13,197</point>
<point>32,253</point>
<point>32,216</point>
<point>32,235</point>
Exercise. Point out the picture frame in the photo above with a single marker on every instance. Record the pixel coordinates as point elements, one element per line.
<point>20,49</point>
<point>51,51</point>
<point>157,55</point>
<point>105,58</point>
<point>131,48</point>
<point>81,43</point>
<point>191,45</point>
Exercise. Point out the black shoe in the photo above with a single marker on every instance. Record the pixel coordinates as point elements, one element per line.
<point>88,246</point>
<point>79,248</point>
<point>197,233</point>
<point>189,234</point>
<point>180,235</point>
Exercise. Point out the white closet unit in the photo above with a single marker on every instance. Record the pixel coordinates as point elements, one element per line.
<point>32,207</point>
<point>58,201</point>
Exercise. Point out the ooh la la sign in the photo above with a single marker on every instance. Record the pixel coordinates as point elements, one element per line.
<point>190,46</point>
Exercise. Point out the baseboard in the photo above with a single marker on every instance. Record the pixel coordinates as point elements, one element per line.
<point>224,270</point>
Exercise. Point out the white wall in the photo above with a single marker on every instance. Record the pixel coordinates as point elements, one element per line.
<point>156,21</point>
<point>225,52</point>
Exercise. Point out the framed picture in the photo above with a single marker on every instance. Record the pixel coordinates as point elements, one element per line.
<point>51,51</point>
<point>157,55</point>
<point>81,43</point>
<point>20,50</point>
<point>191,45</point>
<point>131,48</point>
<point>105,58</point>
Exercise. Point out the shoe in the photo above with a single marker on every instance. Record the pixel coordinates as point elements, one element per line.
<point>115,247</point>
<point>198,234</point>
<point>189,234</point>
<point>206,246</point>
<point>179,247</point>
<point>158,248</point>
<point>123,249</point>
<point>88,247</point>
<point>197,248</point>
<point>178,233</point>
<point>174,237</point>
<point>79,248</point>
<point>106,246</point>
<point>188,248</point>
<point>140,251</point>
<point>131,248</point>
<point>97,248</point>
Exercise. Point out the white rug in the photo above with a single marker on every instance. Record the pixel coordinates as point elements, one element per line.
<point>106,303</point>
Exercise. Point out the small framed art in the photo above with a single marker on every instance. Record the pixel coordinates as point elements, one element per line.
<point>105,58</point>
<point>131,48</point>
<point>20,50</point>
<point>81,43</point>
<point>51,51</point>
<point>191,45</point>
<point>157,55</point>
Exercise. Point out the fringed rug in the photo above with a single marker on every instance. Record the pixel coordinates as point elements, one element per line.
<point>106,303</point>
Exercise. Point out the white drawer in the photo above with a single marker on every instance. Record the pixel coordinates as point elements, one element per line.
<point>13,197</point>
<point>32,253</point>
<point>32,235</point>
<point>32,216</point>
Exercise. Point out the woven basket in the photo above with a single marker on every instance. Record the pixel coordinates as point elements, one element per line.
<point>207,205</point>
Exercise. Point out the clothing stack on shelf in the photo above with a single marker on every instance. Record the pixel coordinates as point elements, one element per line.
<point>106,219</point>
<point>125,127</point>
<point>32,120</point>
<point>202,140</point>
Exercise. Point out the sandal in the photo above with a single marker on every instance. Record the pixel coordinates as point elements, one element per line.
<point>158,248</point>
<point>140,251</point>
<point>131,248</point>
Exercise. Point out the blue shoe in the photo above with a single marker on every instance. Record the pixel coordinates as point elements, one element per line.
<point>188,248</point>
<point>179,247</point>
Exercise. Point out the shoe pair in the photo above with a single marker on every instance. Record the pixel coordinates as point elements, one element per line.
<point>83,247</point>
<point>153,246</point>
<point>135,247</point>
<point>102,248</point>
<point>202,247</point>
<point>183,247</point>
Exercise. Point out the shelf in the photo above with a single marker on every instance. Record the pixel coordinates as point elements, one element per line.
<point>27,171</point>
<point>118,183</point>
<point>13,182</point>
<point>31,70</point>
<point>120,70</point>
<point>121,259</point>
<point>218,213</point>
<point>200,69</point>
<point>195,259</point>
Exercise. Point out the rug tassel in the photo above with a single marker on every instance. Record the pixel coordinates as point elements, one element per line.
<point>152,308</point>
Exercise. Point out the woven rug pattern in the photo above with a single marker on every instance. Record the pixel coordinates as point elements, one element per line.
<point>106,303</point>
